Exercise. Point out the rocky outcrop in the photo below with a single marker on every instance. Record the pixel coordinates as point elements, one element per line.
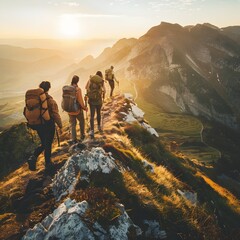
<point>135,114</point>
<point>68,222</point>
<point>85,162</point>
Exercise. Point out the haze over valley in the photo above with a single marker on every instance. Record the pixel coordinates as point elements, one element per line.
<point>29,62</point>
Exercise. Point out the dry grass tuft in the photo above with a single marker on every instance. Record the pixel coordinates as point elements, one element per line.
<point>233,202</point>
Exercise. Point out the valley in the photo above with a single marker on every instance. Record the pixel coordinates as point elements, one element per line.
<point>183,129</point>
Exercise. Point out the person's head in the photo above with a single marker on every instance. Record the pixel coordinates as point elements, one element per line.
<point>45,85</point>
<point>99,73</point>
<point>75,80</point>
<point>112,67</point>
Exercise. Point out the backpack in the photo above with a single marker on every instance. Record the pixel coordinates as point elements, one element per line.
<point>69,99</point>
<point>36,107</point>
<point>94,91</point>
<point>109,74</point>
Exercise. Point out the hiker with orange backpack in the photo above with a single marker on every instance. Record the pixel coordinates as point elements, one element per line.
<point>73,104</point>
<point>41,112</point>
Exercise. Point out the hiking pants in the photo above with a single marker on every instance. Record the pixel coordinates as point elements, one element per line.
<point>111,84</point>
<point>46,134</point>
<point>73,122</point>
<point>93,109</point>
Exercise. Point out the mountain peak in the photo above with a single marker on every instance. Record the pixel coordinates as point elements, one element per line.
<point>164,28</point>
<point>211,26</point>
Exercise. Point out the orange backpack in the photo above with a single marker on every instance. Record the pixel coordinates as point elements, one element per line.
<point>36,109</point>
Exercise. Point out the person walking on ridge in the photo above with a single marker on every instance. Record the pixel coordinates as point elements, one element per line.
<point>95,92</point>
<point>110,77</point>
<point>46,130</point>
<point>78,115</point>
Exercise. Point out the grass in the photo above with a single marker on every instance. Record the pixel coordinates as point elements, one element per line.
<point>155,193</point>
<point>232,201</point>
<point>181,128</point>
<point>184,171</point>
<point>102,202</point>
<point>146,194</point>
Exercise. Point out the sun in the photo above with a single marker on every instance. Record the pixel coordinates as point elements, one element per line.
<point>69,26</point>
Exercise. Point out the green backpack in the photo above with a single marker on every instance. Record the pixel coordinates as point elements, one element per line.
<point>95,92</point>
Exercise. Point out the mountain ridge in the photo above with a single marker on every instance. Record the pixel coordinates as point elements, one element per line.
<point>126,165</point>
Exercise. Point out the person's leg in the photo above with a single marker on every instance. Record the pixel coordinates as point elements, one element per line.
<point>32,160</point>
<point>81,120</point>
<point>73,122</point>
<point>39,149</point>
<point>111,83</point>
<point>49,136</point>
<point>92,113</point>
<point>98,108</point>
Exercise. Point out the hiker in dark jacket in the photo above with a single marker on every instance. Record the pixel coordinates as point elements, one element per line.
<point>46,131</point>
<point>95,103</point>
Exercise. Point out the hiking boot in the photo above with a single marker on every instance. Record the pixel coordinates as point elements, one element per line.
<point>82,137</point>
<point>100,129</point>
<point>49,167</point>
<point>32,160</point>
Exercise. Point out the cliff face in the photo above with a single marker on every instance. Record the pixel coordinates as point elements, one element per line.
<point>198,67</point>
<point>121,185</point>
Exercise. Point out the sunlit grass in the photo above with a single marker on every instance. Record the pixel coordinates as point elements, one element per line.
<point>232,201</point>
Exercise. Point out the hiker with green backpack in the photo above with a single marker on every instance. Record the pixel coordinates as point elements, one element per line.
<point>95,92</point>
<point>73,104</point>
<point>41,112</point>
<point>110,77</point>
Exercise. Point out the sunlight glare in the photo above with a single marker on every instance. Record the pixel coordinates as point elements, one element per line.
<point>69,26</point>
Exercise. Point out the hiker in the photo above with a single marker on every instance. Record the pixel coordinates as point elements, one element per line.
<point>48,112</point>
<point>77,115</point>
<point>110,77</point>
<point>95,92</point>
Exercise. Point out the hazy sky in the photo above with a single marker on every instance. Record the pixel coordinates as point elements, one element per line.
<point>108,18</point>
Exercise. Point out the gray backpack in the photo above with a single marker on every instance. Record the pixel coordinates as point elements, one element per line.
<point>69,99</point>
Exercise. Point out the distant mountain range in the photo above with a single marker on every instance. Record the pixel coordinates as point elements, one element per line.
<point>192,69</point>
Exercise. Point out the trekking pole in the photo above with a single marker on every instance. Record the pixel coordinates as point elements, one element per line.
<point>119,92</point>
<point>85,100</point>
<point>57,137</point>
<point>102,111</point>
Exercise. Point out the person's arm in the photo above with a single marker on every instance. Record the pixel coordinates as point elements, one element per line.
<point>54,113</point>
<point>87,85</point>
<point>80,99</point>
